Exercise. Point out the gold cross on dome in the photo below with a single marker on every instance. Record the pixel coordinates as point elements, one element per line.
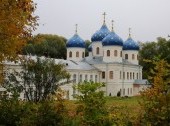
<point>129,32</point>
<point>112,25</point>
<point>76,28</point>
<point>104,14</point>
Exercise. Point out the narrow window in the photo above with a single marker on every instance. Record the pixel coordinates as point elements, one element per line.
<point>123,75</point>
<point>108,52</point>
<point>111,75</point>
<point>103,75</point>
<point>140,76</point>
<point>91,77</point>
<point>115,53</point>
<point>126,56</point>
<point>120,74</point>
<point>70,54</point>
<point>77,54</point>
<point>97,50</point>
<point>74,77</point>
<point>83,55</point>
<point>128,75</point>
<point>86,77</point>
<point>133,56</point>
<point>80,78</point>
<point>131,91</point>
<point>95,78</point>
<point>120,53</point>
<point>133,75</point>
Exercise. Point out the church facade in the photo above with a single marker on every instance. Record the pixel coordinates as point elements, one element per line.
<point>110,60</point>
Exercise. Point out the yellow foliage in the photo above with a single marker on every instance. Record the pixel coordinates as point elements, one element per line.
<point>16,24</point>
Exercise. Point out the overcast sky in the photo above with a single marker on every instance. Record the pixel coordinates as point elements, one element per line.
<point>148,19</point>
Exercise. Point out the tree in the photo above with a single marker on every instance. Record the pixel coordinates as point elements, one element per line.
<point>53,46</point>
<point>156,100</point>
<point>87,43</point>
<point>92,104</point>
<point>37,79</point>
<point>16,24</point>
<point>154,51</point>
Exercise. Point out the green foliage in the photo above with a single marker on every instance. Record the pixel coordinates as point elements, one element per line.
<point>46,45</point>
<point>92,104</point>
<point>23,113</point>
<point>153,51</point>
<point>156,100</point>
<point>87,43</point>
<point>10,111</point>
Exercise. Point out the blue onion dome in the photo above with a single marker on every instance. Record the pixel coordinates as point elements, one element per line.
<point>130,44</point>
<point>75,41</point>
<point>90,48</point>
<point>112,39</point>
<point>100,34</point>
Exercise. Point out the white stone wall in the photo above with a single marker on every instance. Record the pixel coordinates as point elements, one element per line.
<point>112,57</point>
<point>74,50</point>
<point>130,52</point>
<point>80,77</point>
<point>117,83</point>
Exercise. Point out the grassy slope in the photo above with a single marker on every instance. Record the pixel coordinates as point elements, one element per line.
<point>126,107</point>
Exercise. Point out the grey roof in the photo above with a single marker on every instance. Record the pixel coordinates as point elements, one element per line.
<point>73,65</point>
<point>99,60</point>
<point>142,82</point>
<point>94,60</point>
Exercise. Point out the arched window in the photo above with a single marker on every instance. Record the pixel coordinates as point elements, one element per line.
<point>133,56</point>
<point>137,57</point>
<point>77,54</point>
<point>120,53</point>
<point>95,78</point>
<point>103,75</point>
<point>123,75</point>
<point>83,55</point>
<point>111,75</point>
<point>70,54</point>
<point>97,50</point>
<point>128,75</point>
<point>91,77</point>
<point>108,52</point>
<point>115,53</point>
<point>126,56</point>
<point>74,77</point>
<point>86,77</point>
<point>80,78</point>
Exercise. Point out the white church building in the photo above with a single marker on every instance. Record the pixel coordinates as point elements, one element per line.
<point>110,60</point>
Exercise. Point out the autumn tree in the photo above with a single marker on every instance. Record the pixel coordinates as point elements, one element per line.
<point>156,100</point>
<point>17,21</point>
